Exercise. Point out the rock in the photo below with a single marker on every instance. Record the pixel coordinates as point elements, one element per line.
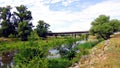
<point>75,64</point>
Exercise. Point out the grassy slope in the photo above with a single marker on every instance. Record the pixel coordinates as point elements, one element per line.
<point>102,55</point>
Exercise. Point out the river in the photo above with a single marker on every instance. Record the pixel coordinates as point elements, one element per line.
<point>55,52</point>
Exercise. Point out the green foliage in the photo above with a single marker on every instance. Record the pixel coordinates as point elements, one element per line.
<point>33,53</point>
<point>102,27</point>
<point>36,62</point>
<point>115,25</point>
<point>42,29</point>
<point>24,25</point>
<point>87,45</point>
<point>84,36</point>
<point>23,13</point>
<point>17,23</point>
<point>58,63</point>
<point>34,35</point>
<point>29,54</point>
<point>7,26</point>
<point>24,30</point>
<point>11,36</point>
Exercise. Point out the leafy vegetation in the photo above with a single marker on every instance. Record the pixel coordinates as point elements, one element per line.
<point>33,53</point>
<point>7,27</point>
<point>18,24</point>
<point>103,27</point>
<point>42,29</point>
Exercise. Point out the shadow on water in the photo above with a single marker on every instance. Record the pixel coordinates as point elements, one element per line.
<point>6,59</point>
<point>63,49</point>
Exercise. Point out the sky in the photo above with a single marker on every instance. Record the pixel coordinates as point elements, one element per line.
<point>68,15</point>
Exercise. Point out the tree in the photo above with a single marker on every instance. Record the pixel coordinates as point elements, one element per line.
<point>23,14</point>
<point>7,26</point>
<point>103,27</point>
<point>42,29</point>
<point>24,30</point>
<point>23,22</point>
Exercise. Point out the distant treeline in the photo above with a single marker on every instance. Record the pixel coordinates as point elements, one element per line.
<point>18,24</point>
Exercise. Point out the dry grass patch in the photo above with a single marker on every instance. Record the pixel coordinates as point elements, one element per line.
<point>104,55</point>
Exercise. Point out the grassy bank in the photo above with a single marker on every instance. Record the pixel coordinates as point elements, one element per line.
<point>104,55</point>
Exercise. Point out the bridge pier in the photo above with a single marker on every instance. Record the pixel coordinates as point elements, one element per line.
<point>74,35</point>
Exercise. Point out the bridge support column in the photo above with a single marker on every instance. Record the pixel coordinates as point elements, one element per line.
<point>55,36</point>
<point>74,35</point>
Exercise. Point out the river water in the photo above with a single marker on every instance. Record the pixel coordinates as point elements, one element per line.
<point>6,59</point>
<point>55,52</point>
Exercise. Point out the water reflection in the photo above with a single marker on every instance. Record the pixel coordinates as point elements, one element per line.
<point>6,59</point>
<point>56,52</point>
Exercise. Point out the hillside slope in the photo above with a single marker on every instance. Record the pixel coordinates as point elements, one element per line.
<point>104,55</point>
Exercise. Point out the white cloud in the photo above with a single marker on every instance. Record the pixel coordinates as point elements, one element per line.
<point>55,1</point>
<point>67,2</point>
<point>66,20</point>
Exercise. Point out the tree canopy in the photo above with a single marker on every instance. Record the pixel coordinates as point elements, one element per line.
<point>103,27</point>
<point>18,23</point>
<point>7,26</point>
<point>11,21</point>
<point>42,29</point>
<point>24,25</point>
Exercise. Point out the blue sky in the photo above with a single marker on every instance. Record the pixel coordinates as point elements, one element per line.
<point>68,15</point>
<point>74,6</point>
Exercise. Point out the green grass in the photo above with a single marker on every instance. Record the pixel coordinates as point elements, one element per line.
<point>58,63</point>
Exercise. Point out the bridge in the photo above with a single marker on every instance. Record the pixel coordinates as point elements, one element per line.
<point>68,33</point>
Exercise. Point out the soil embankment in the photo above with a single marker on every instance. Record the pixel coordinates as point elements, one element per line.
<point>104,55</point>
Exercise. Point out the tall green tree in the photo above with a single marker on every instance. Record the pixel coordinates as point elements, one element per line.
<point>24,30</point>
<point>23,14</point>
<point>42,29</point>
<point>23,22</point>
<point>103,27</point>
<point>7,26</point>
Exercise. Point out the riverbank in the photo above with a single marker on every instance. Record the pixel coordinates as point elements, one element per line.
<point>104,55</point>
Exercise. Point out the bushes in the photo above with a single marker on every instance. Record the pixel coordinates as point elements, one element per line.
<point>36,62</point>
<point>35,52</point>
<point>58,63</point>
<point>28,54</point>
